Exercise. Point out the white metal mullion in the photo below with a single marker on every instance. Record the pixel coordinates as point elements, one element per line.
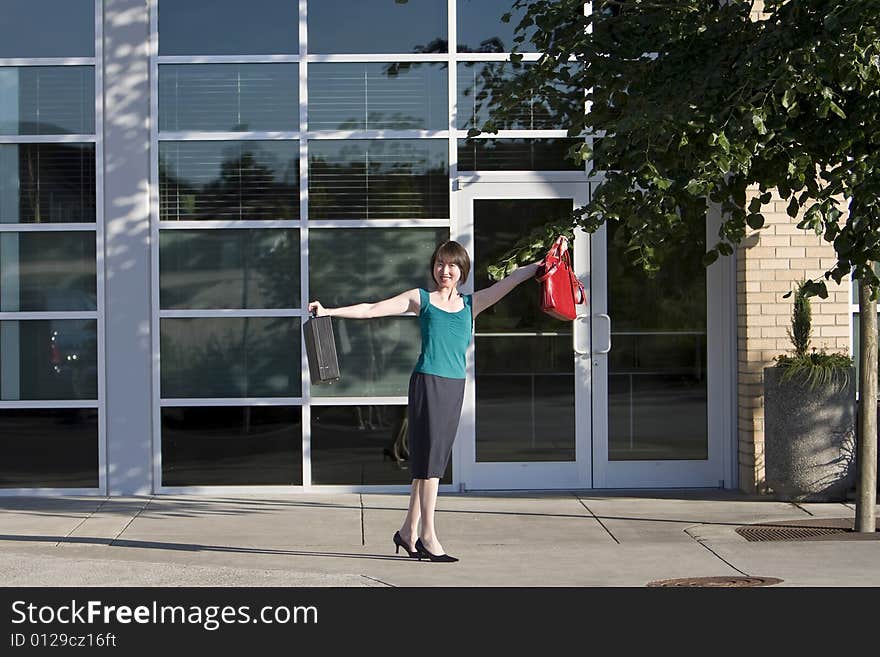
<point>376,58</point>
<point>220,313</point>
<point>232,223</point>
<point>379,223</point>
<point>103,465</point>
<point>397,400</point>
<point>154,248</point>
<point>199,135</point>
<point>38,404</point>
<point>197,402</point>
<point>47,228</point>
<point>305,380</point>
<point>227,59</point>
<point>18,315</point>
<point>20,62</point>
<point>48,139</point>
<point>378,134</point>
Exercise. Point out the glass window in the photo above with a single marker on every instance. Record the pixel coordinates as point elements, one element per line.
<point>228,97</point>
<point>395,96</point>
<point>49,359</point>
<point>524,383</point>
<point>478,82</point>
<point>361,445</point>
<point>229,268</point>
<point>47,183</point>
<point>378,179</point>
<point>47,271</point>
<point>231,357</point>
<point>26,26</point>
<point>377,26</point>
<point>480,28</point>
<point>223,180</point>
<point>516,155</point>
<point>657,393</point>
<point>376,356</point>
<point>49,448</point>
<point>47,100</point>
<point>232,446</point>
<point>228,27</point>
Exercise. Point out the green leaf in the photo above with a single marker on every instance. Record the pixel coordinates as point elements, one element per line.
<point>837,110</point>
<point>755,220</point>
<point>788,98</point>
<point>722,141</point>
<point>792,208</point>
<point>695,187</point>
<point>474,132</point>
<point>758,122</point>
<point>725,249</point>
<point>710,257</point>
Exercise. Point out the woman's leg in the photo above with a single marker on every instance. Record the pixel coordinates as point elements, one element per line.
<point>428,498</point>
<point>409,531</point>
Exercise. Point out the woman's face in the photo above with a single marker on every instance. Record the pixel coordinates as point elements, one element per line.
<point>447,274</point>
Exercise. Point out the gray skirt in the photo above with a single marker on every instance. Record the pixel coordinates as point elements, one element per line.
<point>433,414</point>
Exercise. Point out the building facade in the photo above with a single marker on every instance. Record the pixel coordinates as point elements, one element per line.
<point>178,178</point>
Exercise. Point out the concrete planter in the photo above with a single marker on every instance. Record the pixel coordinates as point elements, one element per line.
<point>809,438</point>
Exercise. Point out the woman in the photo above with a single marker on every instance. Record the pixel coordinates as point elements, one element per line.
<point>436,387</point>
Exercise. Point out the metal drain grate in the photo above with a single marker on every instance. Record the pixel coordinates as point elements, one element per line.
<point>786,533</point>
<point>716,581</point>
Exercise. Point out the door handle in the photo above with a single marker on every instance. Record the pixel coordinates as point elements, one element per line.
<point>608,348</point>
<point>579,352</point>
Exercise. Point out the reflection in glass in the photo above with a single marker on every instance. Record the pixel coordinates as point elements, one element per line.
<point>524,384</point>
<point>47,183</point>
<point>480,28</point>
<point>384,261</point>
<point>47,100</point>
<point>47,28</point>
<point>49,448</point>
<point>223,180</point>
<point>516,155</point>
<point>232,446</point>
<point>377,26</point>
<point>657,366</point>
<point>378,96</point>
<point>478,82</point>
<point>376,357</point>
<point>47,271</point>
<point>230,357</point>
<point>228,27</point>
<point>49,359</point>
<point>229,268</point>
<point>378,179</point>
<point>228,97</point>
<point>361,445</point>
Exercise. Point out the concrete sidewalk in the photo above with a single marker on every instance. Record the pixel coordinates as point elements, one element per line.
<point>581,538</point>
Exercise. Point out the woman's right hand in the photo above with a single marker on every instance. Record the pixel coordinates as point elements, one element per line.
<point>316,308</point>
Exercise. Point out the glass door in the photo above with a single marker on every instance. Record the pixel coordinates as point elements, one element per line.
<point>526,420</point>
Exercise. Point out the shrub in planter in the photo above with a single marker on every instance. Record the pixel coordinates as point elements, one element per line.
<point>809,416</point>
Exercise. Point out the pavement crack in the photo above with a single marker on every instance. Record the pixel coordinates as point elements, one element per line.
<point>131,520</point>
<point>374,579</point>
<point>363,521</point>
<point>596,518</point>
<point>82,522</point>
<point>798,506</point>
<point>718,556</point>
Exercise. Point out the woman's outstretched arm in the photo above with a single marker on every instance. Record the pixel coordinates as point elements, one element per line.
<point>491,295</point>
<point>404,302</point>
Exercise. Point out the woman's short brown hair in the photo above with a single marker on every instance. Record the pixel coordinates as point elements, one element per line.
<point>452,253</point>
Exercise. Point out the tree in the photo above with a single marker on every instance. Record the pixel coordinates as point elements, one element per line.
<point>694,101</point>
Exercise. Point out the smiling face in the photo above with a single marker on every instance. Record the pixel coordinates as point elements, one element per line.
<point>450,265</point>
<point>446,274</point>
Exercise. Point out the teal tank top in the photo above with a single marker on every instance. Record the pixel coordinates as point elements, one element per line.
<point>445,338</point>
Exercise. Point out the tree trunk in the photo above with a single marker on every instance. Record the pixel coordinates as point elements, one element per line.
<point>866,458</point>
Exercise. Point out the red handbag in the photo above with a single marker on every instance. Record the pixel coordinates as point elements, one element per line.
<point>561,290</point>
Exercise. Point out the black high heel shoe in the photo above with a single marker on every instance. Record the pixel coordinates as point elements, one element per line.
<point>398,543</point>
<point>423,552</point>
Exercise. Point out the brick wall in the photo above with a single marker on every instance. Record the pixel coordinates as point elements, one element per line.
<point>770,262</point>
